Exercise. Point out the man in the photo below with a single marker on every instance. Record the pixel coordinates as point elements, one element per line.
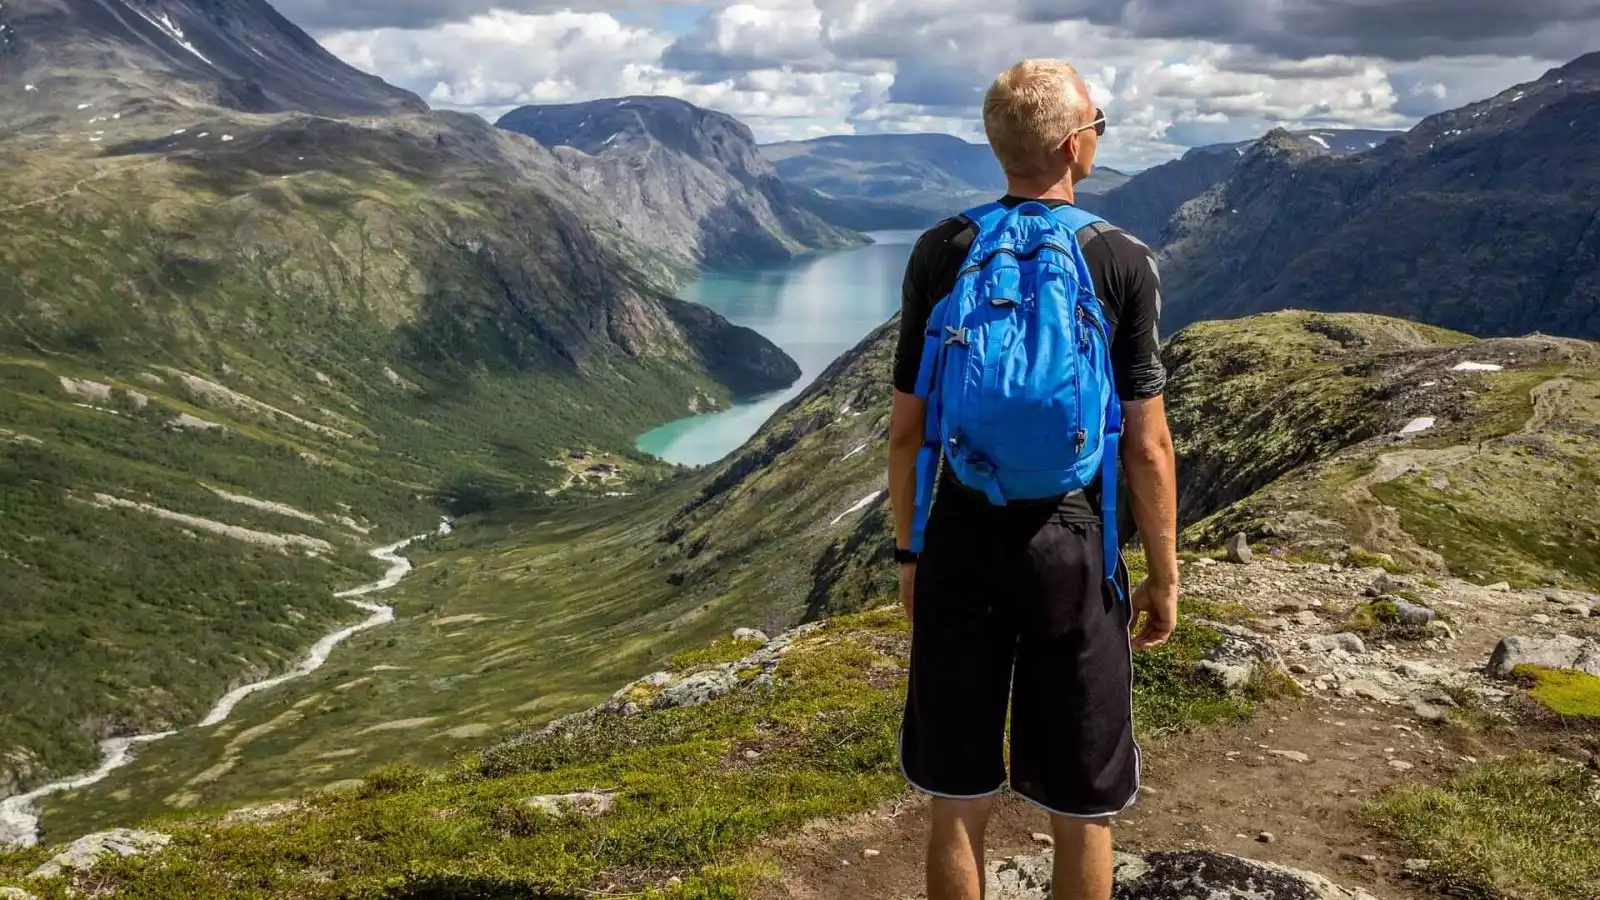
<point>1010,604</point>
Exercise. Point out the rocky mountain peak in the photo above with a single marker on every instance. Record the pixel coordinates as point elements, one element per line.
<point>630,125</point>
<point>237,54</point>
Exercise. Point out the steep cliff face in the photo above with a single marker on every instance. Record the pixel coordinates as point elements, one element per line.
<point>1481,219</point>
<point>686,180</point>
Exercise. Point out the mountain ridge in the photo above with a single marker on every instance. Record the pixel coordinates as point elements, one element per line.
<point>664,166</point>
<point>1494,200</point>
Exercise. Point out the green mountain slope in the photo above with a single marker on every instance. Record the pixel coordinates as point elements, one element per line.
<point>370,323</point>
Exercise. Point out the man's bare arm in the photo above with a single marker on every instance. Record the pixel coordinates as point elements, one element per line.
<point>1152,474</point>
<point>906,425</point>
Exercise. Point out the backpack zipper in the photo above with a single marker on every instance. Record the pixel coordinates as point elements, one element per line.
<point>1007,251</point>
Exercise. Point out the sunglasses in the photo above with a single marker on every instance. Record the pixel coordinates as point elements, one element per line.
<point>1099,124</point>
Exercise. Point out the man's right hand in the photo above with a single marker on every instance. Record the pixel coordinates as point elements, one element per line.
<point>908,587</point>
<point>1159,603</point>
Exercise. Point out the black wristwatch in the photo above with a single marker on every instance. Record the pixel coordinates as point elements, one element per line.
<point>905,557</point>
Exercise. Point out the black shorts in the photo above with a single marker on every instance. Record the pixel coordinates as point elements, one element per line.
<point>1012,609</point>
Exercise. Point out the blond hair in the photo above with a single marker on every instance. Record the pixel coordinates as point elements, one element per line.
<point>1030,111</point>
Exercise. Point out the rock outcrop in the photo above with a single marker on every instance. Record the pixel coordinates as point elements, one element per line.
<point>1183,875</point>
<point>84,852</point>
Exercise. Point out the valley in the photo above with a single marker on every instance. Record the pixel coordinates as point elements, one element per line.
<point>606,381</point>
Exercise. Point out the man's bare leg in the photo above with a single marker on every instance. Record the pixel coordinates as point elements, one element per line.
<point>955,848</point>
<point>1084,863</point>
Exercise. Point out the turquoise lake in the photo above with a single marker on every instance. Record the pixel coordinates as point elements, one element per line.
<point>815,308</point>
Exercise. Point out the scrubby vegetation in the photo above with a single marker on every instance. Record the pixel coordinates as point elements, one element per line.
<point>693,790</point>
<point>1527,827</point>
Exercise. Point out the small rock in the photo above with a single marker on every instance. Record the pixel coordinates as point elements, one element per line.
<point>1499,586</point>
<point>84,852</point>
<point>1417,866</point>
<point>1412,613</point>
<point>1266,837</point>
<point>1401,765</point>
<point>589,804</point>
<point>752,755</point>
<point>1327,643</point>
<point>11,893</point>
<point>1040,837</point>
<point>1542,619</point>
<point>1299,669</point>
<point>1230,677</point>
<point>674,881</point>
<point>1416,670</point>
<point>1292,755</point>
<point>1433,706</point>
<point>1314,603</point>
<point>1204,561</point>
<point>751,634</point>
<point>1579,611</point>
<point>1308,618</point>
<point>1368,690</point>
<point>1239,550</point>
<point>1390,584</point>
<point>869,853</point>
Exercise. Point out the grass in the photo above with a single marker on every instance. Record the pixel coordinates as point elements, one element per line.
<point>1567,693</point>
<point>691,802</point>
<point>1380,619</point>
<point>1527,828</point>
<point>724,650</point>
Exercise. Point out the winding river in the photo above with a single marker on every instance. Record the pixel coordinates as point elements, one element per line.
<point>19,817</point>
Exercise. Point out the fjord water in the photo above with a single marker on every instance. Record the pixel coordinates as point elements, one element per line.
<point>815,308</point>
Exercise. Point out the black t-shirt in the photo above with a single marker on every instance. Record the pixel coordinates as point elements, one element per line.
<point>1126,279</point>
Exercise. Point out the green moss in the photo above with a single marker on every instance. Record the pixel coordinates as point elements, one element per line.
<point>1523,827</point>
<point>1565,692</point>
<point>1380,620</point>
<point>1217,611</point>
<point>724,650</point>
<point>1366,559</point>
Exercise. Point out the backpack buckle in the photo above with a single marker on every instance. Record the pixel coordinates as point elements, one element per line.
<point>957,336</point>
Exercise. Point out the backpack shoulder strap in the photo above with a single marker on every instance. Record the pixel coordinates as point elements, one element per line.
<point>1074,218</point>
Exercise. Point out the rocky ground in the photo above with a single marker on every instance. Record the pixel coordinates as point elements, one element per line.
<point>1397,681</point>
<point>1396,705</point>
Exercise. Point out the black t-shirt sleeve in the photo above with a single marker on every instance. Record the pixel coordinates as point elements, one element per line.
<point>925,284</point>
<point>1128,281</point>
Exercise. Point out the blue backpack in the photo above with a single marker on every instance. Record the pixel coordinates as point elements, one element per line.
<point>1016,370</point>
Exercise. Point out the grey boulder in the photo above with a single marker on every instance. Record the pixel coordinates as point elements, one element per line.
<point>1559,652</point>
<point>1239,550</point>
<point>750,634</point>
<point>1412,613</point>
<point>590,804</point>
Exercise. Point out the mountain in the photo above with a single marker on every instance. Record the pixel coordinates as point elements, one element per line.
<point>929,176</point>
<point>83,59</point>
<point>676,175</point>
<point>242,348</point>
<point>1146,203</point>
<point>1480,219</point>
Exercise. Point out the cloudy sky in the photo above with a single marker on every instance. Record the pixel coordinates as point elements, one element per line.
<point>1171,74</point>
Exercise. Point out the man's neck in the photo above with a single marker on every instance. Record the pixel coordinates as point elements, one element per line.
<point>1060,190</point>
